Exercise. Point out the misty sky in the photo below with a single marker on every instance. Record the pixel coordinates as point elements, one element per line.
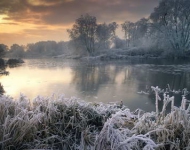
<point>28,21</point>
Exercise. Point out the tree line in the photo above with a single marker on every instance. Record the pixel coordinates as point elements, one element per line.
<point>39,49</point>
<point>166,29</point>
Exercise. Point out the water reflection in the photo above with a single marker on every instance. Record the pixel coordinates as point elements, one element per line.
<point>95,81</point>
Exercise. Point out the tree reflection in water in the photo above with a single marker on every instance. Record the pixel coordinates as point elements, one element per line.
<point>97,81</point>
<point>129,77</point>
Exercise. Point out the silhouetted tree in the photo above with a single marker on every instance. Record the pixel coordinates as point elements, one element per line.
<point>141,28</point>
<point>128,28</point>
<point>16,51</point>
<point>84,31</point>
<point>113,26</point>
<point>45,49</point>
<point>135,32</point>
<point>3,50</point>
<point>104,33</point>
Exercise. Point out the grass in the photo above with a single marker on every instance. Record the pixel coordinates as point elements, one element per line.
<point>62,123</point>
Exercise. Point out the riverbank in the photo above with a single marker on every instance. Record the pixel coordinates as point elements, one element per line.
<point>125,54</point>
<point>70,123</point>
<point>8,62</point>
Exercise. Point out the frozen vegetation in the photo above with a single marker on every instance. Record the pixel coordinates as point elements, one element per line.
<point>62,123</point>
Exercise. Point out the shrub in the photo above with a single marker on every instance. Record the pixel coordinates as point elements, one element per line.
<point>2,62</point>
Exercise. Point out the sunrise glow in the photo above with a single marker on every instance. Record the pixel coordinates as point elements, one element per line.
<point>31,21</point>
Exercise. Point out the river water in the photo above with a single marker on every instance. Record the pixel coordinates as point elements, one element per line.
<point>96,81</point>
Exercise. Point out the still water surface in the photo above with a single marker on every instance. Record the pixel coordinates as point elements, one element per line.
<point>96,81</point>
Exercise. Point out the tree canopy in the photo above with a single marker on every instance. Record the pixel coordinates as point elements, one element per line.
<point>84,31</point>
<point>3,49</point>
<point>172,19</point>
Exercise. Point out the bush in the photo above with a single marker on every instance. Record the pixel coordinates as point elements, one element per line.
<point>14,61</point>
<point>2,62</point>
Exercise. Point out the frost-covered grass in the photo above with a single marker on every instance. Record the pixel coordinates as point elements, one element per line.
<point>62,123</point>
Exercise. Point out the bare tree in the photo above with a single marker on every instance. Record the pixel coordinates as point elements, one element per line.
<point>128,28</point>
<point>172,19</point>
<point>113,26</point>
<point>103,35</point>
<point>141,28</point>
<point>84,31</point>
<point>134,32</point>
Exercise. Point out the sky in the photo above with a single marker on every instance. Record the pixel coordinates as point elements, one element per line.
<point>30,21</point>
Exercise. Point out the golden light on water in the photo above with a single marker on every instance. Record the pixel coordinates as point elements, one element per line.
<point>120,78</point>
<point>36,80</point>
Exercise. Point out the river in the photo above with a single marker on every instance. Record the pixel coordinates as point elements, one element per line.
<point>96,81</point>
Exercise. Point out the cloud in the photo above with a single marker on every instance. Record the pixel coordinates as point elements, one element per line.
<point>66,11</point>
<point>32,19</point>
<point>10,23</point>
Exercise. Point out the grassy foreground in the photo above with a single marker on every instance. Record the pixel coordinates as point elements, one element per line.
<point>61,123</point>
